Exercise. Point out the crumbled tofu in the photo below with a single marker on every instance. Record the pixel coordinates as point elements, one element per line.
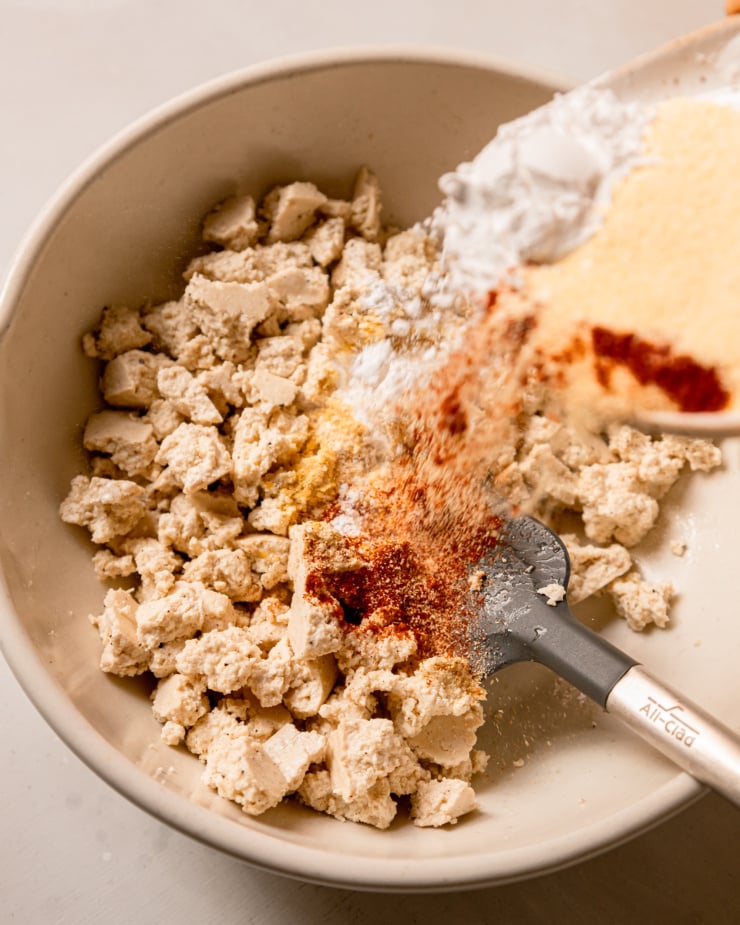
<point>359,753</point>
<point>268,557</point>
<point>227,313</point>
<point>171,326</point>
<point>128,440</point>
<point>187,395</point>
<point>130,380</point>
<point>228,434</point>
<point>441,802</point>
<point>366,205</point>
<point>224,658</point>
<point>179,615</point>
<point>311,682</point>
<point>108,565</point>
<point>122,654</point>
<point>200,522</point>
<point>375,806</point>
<point>196,456</point>
<point>290,210</point>
<point>327,240</point>
<point>593,567</point>
<point>553,593</point>
<point>180,700</point>
<point>233,223</point>
<point>107,507</point>
<point>119,330</point>
<point>641,602</point>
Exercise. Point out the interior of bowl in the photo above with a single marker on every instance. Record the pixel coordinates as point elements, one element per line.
<point>564,781</point>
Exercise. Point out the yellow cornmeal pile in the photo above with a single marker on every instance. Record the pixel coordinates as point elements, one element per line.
<point>665,265</point>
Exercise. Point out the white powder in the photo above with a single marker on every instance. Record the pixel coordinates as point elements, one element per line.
<point>420,329</point>
<point>540,188</point>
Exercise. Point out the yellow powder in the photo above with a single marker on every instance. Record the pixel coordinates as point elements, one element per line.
<point>333,454</point>
<point>666,262</point>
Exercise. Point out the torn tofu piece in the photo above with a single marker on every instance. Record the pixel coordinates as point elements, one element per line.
<point>359,753</point>
<point>180,700</point>
<point>614,504</point>
<point>122,653</point>
<point>592,568</point>
<point>641,602</point>
<point>268,557</point>
<point>200,522</point>
<point>375,806</point>
<point>227,571</point>
<point>441,802</point>
<point>224,658</point>
<point>360,260</point>
<point>195,455</point>
<point>171,326</point>
<point>314,622</point>
<point>273,390</point>
<point>326,241</point>
<point>189,609</point>
<point>258,775</point>
<point>232,224</point>
<point>118,330</point>
<point>263,440</point>
<point>188,397</point>
<point>110,566</point>
<point>311,683</point>
<point>227,313</point>
<point>107,507</point>
<point>130,380</point>
<point>441,686</point>
<point>366,205</point>
<point>301,293</point>
<point>127,439</point>
<point>290,210</point>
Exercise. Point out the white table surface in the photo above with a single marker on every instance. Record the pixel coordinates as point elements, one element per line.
<point>73,72</point>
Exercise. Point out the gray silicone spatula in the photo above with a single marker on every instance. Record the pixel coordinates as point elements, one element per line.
<point>521,624</point>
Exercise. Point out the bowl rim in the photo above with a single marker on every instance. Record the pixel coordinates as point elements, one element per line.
<point>265,851</point>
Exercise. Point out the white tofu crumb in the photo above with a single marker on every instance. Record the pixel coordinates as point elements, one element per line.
<point>290,210</point>
<point>107,507</point>
<point>442,802</point>
<point>233,223</point>
<point>128,440</point>
<point>593,567</point>
<point>187,395</point>
<point>359,753</point>
<point>119,330</point>
<point>366,205</point>
<point>224,658</point>
<point>196,456</point>
<point>641,602</point>
<point>130,380</point>
<point>227,571</point>
<point>227,313</point>
<point>553,593</point>
<point>122,654</point>
<point>172,733</point>
<point>326,241</point>
<point>180,700</point>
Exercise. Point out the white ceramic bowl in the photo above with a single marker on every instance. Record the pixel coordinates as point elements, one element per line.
<point>120,231</point>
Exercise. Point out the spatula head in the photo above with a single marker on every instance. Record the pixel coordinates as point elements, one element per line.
<point>527,557</point>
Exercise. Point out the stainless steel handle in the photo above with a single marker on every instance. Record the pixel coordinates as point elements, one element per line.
<point>683,731</point>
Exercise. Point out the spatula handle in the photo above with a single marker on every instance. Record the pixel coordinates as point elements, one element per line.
<point>683,731</point>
